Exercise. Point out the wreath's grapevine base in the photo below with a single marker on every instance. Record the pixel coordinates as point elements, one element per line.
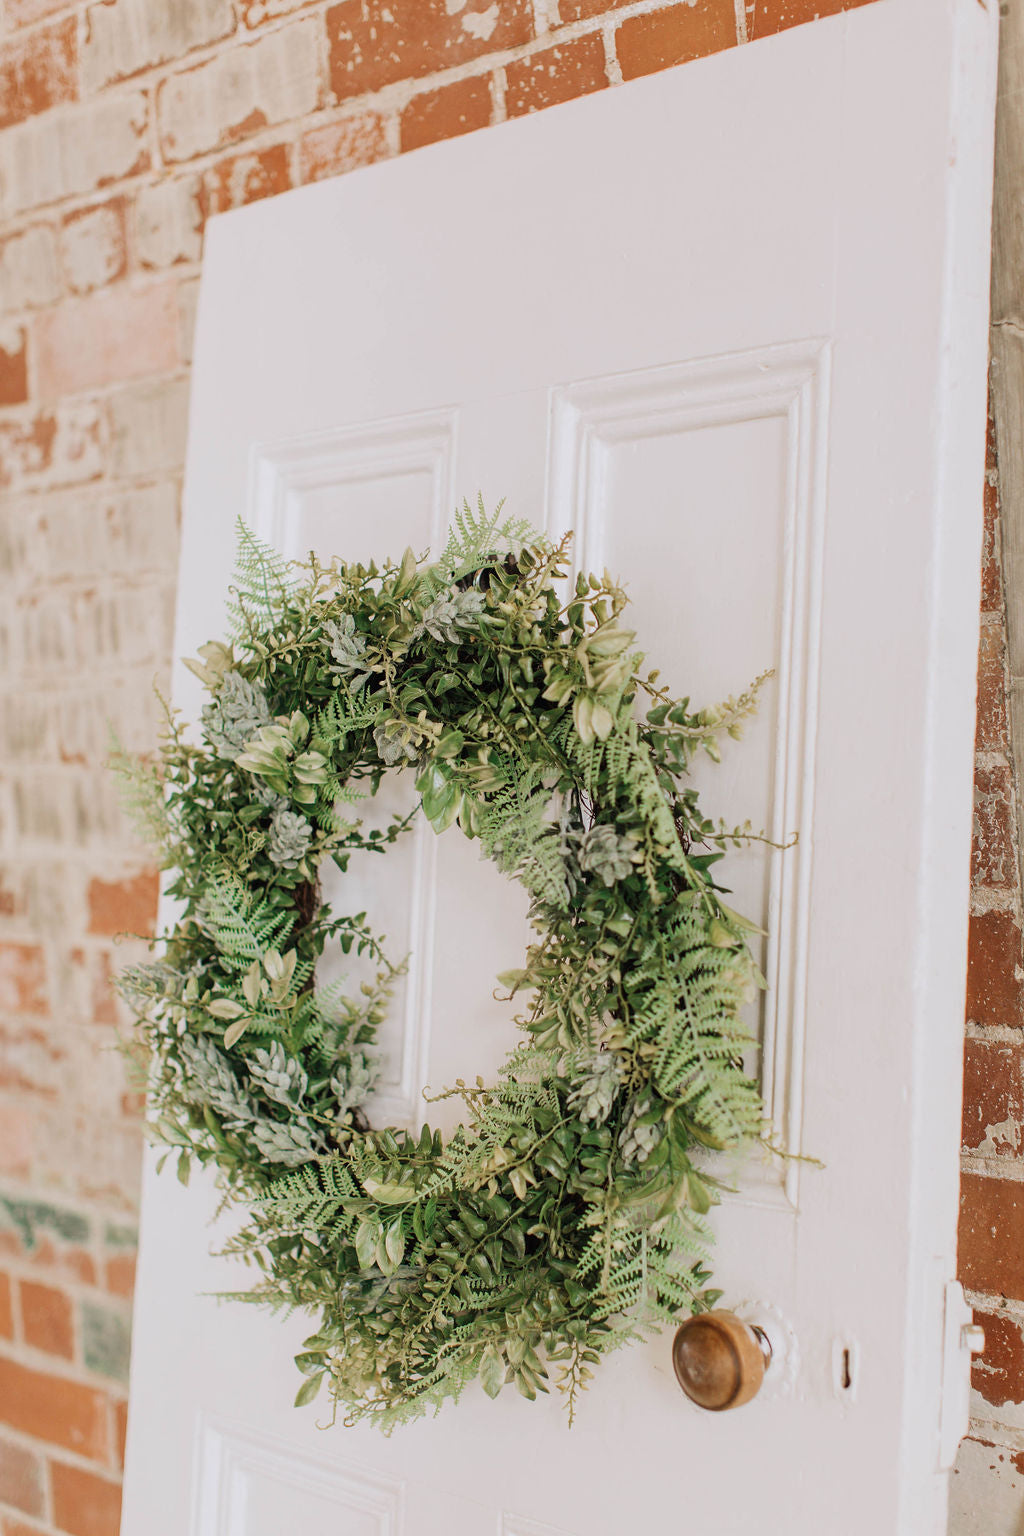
<point>568,1211</point>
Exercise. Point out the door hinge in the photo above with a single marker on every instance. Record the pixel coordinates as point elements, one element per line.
<point>962,1339</point>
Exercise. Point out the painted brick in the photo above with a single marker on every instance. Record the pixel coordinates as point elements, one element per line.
<point>373,43</point>
<point>29,272</point>
<point>148,424</point>
<point>29,1058</point>
<point>116,334</point>
<point>12,1527</point>
<point>17,1126</point>
<point>13,366</point>
<point>998,1374</point>
<point>245,178</point>
<point>992,1235</point>
<point>38,70</point>
<point>54,1409</point>
<point>168,223</point>
<point>256,12</point>
<point>239,92</point>
<point>342,146</point>
<point>22,13</point>
<point>122,37</point>
<point>767,16</point>
<point>444,114</point>
<point>46,1318</point>
<point>994,969</point>
<point>993,858</point>
<point>991,734</point>
<point>22,979</point>
<point>123,906</point>
<point>986,1490</point>
<point>67,153</point>
<point>557,74</point>
<point>106,1340</point>
<point>94,249</point>
<point>660,39</point>
<point>110,533</point>
<point>21,1477</point>
<point>83,1504</point>
<point>6,1307</point>
<point>40,1224</point>
<point>188,300</point>
<point>65,446</point>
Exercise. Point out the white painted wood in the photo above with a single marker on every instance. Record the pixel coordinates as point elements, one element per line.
<point>729,324</point>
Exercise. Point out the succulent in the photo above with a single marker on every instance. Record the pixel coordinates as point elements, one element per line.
<point>448,613</point>
<point>289,839</point>
<point>277,1075</point>
<point>603,852</point>
<point>348,650</point>
<point>393,746</point>
<point>237,711</point>
<point>288,1143</point>
<point>354,1080</point>
<point>641,1133</point>
<point>595,1090</point>
<point>207,1078</point>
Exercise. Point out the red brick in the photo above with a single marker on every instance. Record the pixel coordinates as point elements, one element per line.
<point>21,1528</point>
<point>6,1307</point>
<point>22,979</point>
<point>13,368</point>
<point>94,246</point>
<point>38,70</point>
<point>342,146</point>
<point>47,1320</point>
<point>54,1409</point>
<point>21,1477</point>
<point>120,1430</point>
<point>446,113</point>
<point>582,10</point>
<point>645,44</point>
<point>117,334</point>
<point>768,16</point>
<point>121,1274</point>
<point>991,734</point>
<point>123,906</point>
<point>104,1004</point>
<point>993,857</point>
<point>992,1235</point>
<point>63,1263</point>
<point>556,74</point>
<point>998,1374</point>
<point>244,178</point>
<point>373,43</point>
<point>993,966</point>
<point>84,1505</point>
<point>993,1098</point>
<point>991,572</point>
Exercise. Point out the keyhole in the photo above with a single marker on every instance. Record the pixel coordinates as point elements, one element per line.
<point>846,1376</point>
<point>845,1361</point>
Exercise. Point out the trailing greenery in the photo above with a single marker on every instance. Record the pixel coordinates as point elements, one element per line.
<point>567,1213</point>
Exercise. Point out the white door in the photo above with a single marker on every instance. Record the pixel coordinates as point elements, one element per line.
<point>729,324</point>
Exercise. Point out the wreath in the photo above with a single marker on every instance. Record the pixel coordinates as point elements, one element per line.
<point>567,1214</point>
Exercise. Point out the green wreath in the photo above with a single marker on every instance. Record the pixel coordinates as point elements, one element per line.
<point>568,1213</point>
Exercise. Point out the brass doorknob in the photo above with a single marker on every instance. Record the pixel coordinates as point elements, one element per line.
<point>720,1360</point>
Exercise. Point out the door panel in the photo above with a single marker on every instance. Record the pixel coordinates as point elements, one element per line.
<point>748,372</point>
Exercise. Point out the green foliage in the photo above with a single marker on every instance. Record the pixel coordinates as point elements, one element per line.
<point>569,1212</point>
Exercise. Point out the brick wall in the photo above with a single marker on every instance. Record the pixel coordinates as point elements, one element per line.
<point>125,125</point>
<point>989,1481</point>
